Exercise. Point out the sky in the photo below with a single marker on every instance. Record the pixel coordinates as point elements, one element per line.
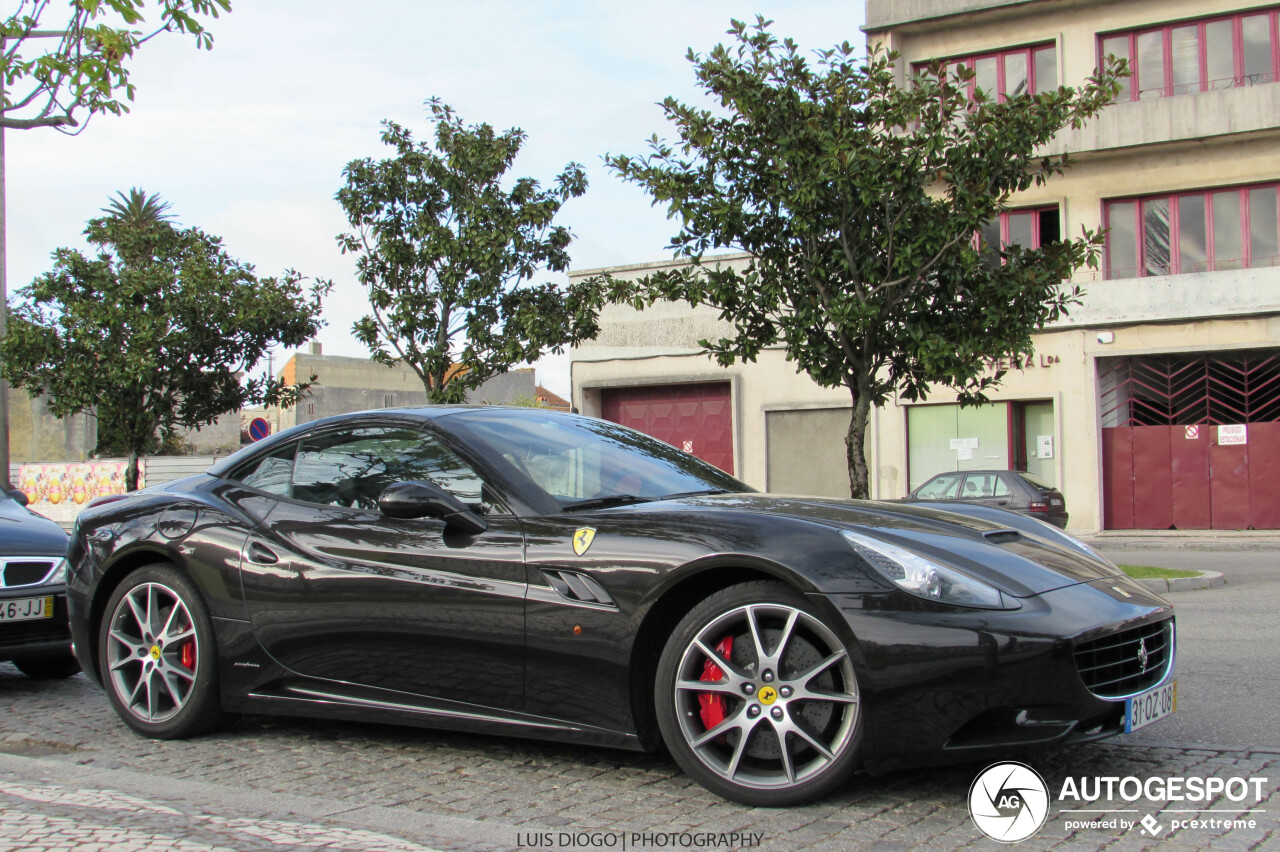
<point>248,141</point>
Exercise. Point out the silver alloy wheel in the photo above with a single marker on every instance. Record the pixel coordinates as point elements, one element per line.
<point>151,653</point>
<point>768,692</point>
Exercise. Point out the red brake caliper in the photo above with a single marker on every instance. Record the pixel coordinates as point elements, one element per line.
<point>712,703</point>
<point>188,657</point>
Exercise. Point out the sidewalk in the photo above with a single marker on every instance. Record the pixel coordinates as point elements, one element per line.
<point>1219,540</point>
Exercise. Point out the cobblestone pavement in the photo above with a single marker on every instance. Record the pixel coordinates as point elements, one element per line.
<point>72,775</point>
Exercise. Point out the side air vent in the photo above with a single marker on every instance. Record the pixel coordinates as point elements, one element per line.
<point>577,587</point>
<point>1002,536</point>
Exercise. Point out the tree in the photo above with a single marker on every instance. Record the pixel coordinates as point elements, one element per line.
<point>86,67</point>
<point>83,68</point>
<point>448,253</point>
<point>155,332</point>
<point>860,202</point>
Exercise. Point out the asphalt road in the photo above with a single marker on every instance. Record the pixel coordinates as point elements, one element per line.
<point>1229,650</point>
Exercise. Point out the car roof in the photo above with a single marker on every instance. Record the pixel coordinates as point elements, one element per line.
<point>419,412</point>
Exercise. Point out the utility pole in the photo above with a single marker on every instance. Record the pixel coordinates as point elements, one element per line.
<point>4,314</point>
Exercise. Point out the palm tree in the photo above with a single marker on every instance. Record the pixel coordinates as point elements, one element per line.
<point>138,209</point>
<point>135,225</point>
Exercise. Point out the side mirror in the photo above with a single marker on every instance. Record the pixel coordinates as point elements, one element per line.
<point>19,496</point>
<point>408,500</point>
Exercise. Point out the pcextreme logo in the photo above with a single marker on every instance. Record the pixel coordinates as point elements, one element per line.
<point>1008,802</point>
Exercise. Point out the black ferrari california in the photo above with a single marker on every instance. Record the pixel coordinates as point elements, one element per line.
<point>532,573</point>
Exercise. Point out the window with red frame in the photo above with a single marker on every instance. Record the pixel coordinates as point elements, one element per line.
<point>1196,56</point>
<point>1009,73</point>
<point>1227,228</point>
<point>1029,227</point>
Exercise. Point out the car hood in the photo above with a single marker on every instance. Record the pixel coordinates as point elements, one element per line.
<point>23,533</point>
<point>1020,555</point>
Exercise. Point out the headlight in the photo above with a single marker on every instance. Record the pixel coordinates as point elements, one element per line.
<point>925,578</point>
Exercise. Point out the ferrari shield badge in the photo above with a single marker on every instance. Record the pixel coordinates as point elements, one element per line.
<point>582,539</point>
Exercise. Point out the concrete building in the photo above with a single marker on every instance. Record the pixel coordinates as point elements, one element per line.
<point>356,384</point>
<point>1156,403</point>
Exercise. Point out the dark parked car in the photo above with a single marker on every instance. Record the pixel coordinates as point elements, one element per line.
<point>33,597</point>
<point>1015,490</point>
<point>527,572</point>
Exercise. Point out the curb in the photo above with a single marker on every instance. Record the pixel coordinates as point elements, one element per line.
<point>1206,580</point>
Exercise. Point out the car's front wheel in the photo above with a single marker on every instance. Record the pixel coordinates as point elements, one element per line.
<point>157,657</point>
<point>757,698</point>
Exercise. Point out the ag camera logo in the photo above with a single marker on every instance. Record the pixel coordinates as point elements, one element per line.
<point>1009,802</point>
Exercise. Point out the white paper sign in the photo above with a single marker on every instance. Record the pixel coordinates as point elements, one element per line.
<point>964,454</point>
<point>1237,434</point>
<point>1044,446</point>
<point>964,444</point>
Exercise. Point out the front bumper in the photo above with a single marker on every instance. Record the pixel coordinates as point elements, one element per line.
<point>944,684</point>
<point>39,639</point>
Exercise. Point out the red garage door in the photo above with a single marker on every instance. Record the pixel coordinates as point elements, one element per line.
<point>1191,441</point>
<point>695,418</point>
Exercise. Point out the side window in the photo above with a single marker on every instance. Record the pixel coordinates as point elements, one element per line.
<point>271,473</point>
<point>942,488</point>
<point>1002,488</point>
<point>984,485</point>
<point>353,466</point>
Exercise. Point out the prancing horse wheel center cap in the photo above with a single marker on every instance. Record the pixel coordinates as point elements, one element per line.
<point>155,652</point>
<point>767,695</point>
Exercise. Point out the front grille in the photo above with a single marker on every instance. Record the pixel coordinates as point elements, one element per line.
<point>25,572</point>
<point>1127,662</point>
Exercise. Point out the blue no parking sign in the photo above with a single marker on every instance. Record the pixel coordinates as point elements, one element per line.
<point>259,429</point>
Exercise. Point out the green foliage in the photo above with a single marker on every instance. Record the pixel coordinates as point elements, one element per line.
<point>85,65</point>
<point>154,332</point>
<point>448,249</point>
<point>859,201</point>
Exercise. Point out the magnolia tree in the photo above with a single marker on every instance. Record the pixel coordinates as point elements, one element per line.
<point>859,201</point>
<point>155,331</point>
<point>447,247</point>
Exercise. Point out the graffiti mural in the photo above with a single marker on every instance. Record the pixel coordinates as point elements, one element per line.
<point>59,490</point>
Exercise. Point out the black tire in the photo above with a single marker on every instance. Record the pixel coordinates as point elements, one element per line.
<point>781,742</point>
<point>145,674</point>
<point>49,668</point>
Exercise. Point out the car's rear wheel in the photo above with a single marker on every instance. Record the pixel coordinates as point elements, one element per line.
<point>48,668</point>
<point>757,698</point>
<point>157,657</point>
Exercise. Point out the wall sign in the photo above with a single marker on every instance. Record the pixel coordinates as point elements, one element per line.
<point>1044,446</point>
<point>1236,434</point>
<point>964,444</point>
<point>1193,432</point>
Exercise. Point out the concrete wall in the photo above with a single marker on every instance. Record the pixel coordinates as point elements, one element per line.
<point>36,435</point>
<point>345,384</point>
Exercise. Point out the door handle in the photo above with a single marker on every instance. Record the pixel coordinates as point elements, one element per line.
<point>260,554</point>
<point>1002,502</point>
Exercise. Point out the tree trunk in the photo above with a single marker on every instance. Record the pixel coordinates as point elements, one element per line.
<point>131,472</point>
<point>855,444</point>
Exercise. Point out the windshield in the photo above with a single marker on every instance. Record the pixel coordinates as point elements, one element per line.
<point>584,462</point>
